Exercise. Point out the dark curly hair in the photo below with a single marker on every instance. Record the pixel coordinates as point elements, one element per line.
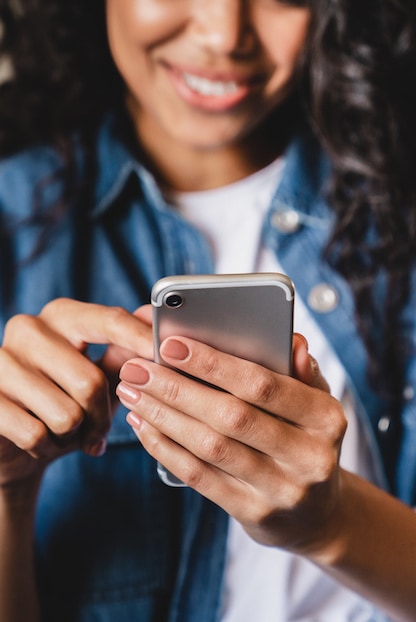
<point>362,99</point>
<point>358,88</point>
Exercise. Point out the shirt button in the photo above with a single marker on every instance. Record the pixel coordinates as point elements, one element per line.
<point>323,298</point>
<point>286,221</point>
<point>408,393</point>
<point>384,424</point>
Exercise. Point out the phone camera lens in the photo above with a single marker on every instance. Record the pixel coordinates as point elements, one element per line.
<point>174,301</point>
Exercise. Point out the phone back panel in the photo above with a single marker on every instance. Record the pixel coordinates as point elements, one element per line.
<point>248,315</point>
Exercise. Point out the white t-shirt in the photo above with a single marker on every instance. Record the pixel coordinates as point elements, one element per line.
<point>264,584</point>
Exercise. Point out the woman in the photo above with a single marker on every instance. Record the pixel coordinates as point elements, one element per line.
<point>163,137</point>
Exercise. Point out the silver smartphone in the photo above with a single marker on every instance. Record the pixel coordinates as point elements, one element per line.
<point>247,315</point>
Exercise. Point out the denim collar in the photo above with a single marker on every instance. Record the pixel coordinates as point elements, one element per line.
<point>304,182</point>
<point>304,159</point>
<point>116,166</point>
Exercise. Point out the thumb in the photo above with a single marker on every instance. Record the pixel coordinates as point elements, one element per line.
<point>305,366</point>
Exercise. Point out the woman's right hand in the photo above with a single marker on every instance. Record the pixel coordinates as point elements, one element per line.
<point>53,399</point>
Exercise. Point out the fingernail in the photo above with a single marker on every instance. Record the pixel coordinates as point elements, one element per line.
<point>135,374</point>
<point>305,341</point>
<point>134,420</point>
<point>98,448</point>
<point>128,394</point>
<point>314,364</point>
<point>174,349</point>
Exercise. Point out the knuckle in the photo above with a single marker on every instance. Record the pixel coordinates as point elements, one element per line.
<point>296,497</point>
<point>157,416</point>
<point>33,437</point>
<point>260,512</point>
<point>237,418</point>
<point>19,327</point>
<point>116,316</point>
<point>292,496</point>
<point>323,468</point>
<point>192,473</point>
<point>209,366</point>
<point>263,388</point>
<point>342,426</point>
<point>336,422</point>
<point>92,387</point>
<point>69,419</point>
<point>171,390</point>
<point>214,449</point>
<point>54,307</point>
<point>153,444</point>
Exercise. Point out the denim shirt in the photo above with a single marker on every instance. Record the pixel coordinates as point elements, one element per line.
<point>112,541</point>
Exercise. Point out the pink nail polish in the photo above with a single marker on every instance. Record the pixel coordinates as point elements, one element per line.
<point>174,349</point>
<point>134,420</point>
<point>134,374</point>
<point>98,448</point>
<point>128,394</point>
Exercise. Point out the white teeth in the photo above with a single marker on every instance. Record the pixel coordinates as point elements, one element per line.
<point>209,87</point>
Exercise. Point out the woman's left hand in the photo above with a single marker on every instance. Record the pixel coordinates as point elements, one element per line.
<point>265,448</point>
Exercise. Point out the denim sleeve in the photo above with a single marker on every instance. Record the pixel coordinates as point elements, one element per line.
<point>107,531</point>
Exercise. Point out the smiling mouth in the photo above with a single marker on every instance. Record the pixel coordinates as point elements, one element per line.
<point>209,88</point>
<point>213,93</point>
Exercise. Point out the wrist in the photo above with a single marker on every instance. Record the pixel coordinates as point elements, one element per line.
<point>332,543</point>
<point>20,497</point>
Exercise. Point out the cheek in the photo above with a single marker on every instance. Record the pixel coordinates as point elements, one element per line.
<point>141,23</point>
<point>284,40</point>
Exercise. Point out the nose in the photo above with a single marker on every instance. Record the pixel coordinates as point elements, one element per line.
<point>223,26</point>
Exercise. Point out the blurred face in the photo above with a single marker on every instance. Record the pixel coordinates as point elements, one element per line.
<point>204,73</point>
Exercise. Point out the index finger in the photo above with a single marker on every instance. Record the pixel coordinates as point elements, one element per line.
<point>83,323</point>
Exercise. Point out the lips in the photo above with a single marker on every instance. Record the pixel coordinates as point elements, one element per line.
<point>212,92</point>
